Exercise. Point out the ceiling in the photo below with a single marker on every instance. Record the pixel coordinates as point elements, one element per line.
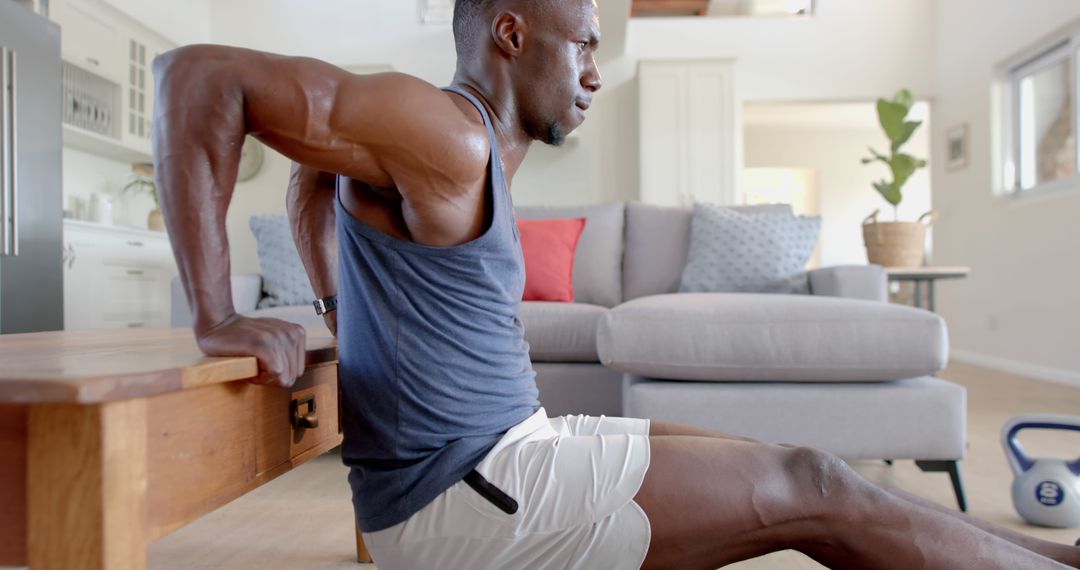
<point>670,8</point>
<point>614,17</point>
<point>442,11</point>
<point>722,8</point>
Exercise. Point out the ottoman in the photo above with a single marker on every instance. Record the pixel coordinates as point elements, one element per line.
<point>852,377</point>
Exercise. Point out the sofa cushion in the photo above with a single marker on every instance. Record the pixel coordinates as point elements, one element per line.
<point>561,332</point>
<point>761,337</point>
<point>284,279</point>
<point>548,246</point>
<point>599,256</point>
<point>657,242</point>
<point>748,252</point>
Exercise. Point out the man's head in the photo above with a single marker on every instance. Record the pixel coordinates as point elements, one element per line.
<point>543,48</point>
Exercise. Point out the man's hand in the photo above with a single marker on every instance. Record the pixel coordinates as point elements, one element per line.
<point>279,346</point>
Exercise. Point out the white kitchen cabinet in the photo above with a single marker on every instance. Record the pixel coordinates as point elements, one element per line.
<point>141,50</point>
<point>689,132</point>
<point>115,277</point>
<point>90,38</point>
<point>114,47</point>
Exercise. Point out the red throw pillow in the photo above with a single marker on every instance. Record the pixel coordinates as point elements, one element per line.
<point>549,247</point>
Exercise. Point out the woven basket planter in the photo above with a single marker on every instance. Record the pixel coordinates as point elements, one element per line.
<point>895,244</point>
<point>155,220</point>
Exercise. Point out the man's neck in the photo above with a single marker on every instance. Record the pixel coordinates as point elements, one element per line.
<point>513,142</point>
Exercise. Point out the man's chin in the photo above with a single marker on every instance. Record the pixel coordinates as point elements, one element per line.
<point>555,135</point>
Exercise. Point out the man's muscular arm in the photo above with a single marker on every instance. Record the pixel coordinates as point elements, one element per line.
<point>311,197</point>
<point>389,131</point>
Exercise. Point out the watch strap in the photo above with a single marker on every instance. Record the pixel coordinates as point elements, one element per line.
<point>325,305</point>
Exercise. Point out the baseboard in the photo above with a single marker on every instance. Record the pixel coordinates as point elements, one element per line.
<point>1056,375</point>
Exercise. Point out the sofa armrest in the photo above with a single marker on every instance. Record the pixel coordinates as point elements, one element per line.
<point>246,292</point>
<point>850,281</point>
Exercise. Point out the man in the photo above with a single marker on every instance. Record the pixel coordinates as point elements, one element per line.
<point>453,462</point>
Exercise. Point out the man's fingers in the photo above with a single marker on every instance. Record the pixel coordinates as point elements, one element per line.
<point>279,347</point>
<point>295,349</point>
<point>301,351</point>
<point>288,364</point>
<point>273,362</point>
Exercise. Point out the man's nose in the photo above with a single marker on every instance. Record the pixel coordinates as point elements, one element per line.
<point>592,79</point>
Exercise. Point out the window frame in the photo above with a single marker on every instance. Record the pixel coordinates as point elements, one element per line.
<point>1061,47</point>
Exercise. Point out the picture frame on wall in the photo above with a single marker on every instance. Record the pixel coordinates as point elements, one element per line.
<point>957,147</point>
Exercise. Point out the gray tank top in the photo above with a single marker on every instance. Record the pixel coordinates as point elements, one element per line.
<point>434,366</point>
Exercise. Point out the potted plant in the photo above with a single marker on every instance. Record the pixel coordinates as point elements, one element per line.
<point>896,243</point>
<point>142,182</point>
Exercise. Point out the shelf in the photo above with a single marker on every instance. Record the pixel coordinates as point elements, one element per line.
<point>94,143</point>
<point>115,229</point>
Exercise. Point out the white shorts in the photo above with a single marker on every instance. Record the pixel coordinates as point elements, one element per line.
<point>574,479</point>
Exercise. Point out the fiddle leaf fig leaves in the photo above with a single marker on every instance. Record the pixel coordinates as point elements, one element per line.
<point>892,115</point>
<point>888,191</point>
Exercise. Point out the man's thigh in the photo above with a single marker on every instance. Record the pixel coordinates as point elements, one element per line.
<point>716,501</point>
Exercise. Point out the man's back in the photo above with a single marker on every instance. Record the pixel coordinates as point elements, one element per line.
<point>434,366</point>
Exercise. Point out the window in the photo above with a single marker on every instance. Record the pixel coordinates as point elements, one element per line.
<point>1042,148</point>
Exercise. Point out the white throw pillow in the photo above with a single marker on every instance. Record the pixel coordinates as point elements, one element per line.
<point>737,252</point>
<point>285,281</point>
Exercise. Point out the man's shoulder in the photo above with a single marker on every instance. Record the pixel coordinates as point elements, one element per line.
<point>427,117</point>
<point>430,122</point>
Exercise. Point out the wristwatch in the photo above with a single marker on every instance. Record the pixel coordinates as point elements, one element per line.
<point>325,305</point>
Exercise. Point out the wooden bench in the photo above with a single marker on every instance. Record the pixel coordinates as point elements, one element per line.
<point>111,440</point>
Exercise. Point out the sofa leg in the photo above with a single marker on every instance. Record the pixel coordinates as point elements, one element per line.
<point>953,469</point>
<point>889,462</point>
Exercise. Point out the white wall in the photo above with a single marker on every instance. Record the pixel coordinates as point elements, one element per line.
<point>851,50</point>
<point>846,192</point>
<point>182,22</point>
<point>1019,309</point>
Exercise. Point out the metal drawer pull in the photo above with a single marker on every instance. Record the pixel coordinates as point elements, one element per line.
<point>135,243</point>
<point>304,421</point>
<point>135,272</point>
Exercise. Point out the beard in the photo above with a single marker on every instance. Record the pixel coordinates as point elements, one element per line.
<point>555,135</point>
<point>547,131</point>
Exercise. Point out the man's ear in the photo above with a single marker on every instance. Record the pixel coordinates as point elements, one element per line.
<point>508,32</point>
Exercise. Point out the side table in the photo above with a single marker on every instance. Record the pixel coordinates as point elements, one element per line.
<point>926,275</point>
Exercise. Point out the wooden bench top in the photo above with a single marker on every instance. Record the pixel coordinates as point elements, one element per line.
<point>90,367</point>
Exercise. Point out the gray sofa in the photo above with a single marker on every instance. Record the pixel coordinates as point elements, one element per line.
<point>839,369</point>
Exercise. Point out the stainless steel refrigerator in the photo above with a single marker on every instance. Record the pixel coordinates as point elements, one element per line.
<point>31,200</point>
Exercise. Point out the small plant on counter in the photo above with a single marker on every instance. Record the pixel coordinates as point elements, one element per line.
<point>142,182</point>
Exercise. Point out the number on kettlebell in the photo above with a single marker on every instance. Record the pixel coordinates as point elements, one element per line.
<point>1049,493</point>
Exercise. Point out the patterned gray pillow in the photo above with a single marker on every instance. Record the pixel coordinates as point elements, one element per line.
<point>740,252</point>
<point>285,282</point>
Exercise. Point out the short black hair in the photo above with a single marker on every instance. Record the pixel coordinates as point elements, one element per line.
<point>469,20</point>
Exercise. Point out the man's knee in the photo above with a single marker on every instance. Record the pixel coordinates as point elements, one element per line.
<point>820,476</point>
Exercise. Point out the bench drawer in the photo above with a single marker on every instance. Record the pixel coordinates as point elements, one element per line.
<point>283,418</point>
<point>210,445</point>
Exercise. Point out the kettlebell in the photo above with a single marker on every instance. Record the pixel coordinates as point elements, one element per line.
<point>1046,490</point>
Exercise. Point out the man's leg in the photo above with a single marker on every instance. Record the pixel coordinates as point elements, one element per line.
<point>1062,553</point>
